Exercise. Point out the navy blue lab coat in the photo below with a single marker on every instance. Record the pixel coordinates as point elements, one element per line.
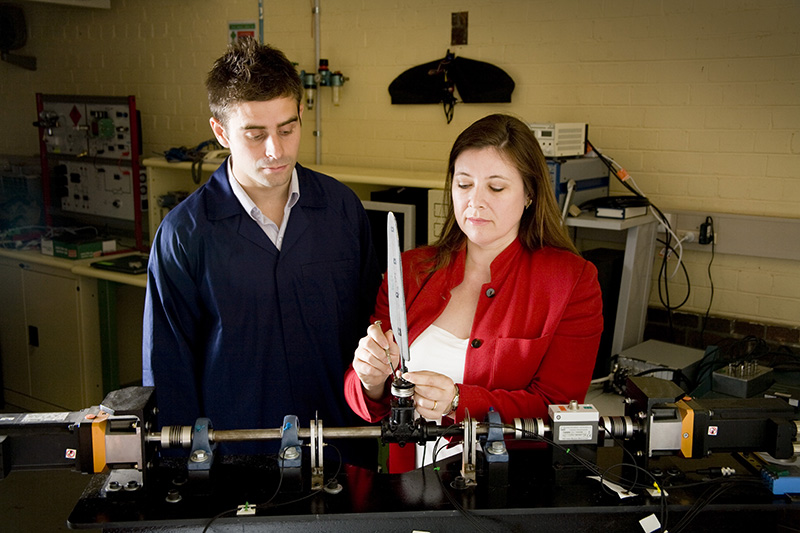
<point>242,333</point>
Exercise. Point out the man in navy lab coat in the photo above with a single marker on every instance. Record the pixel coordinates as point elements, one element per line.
<point>262,281</point>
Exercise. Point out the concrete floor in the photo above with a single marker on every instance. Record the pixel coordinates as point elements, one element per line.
<point>38,500</point>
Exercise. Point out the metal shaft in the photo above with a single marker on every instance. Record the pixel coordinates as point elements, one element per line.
<point>235,435</point>
<point>181,436</point>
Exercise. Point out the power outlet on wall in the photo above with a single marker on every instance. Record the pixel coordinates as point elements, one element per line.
<point>686,236</point>
<point>670,218</point>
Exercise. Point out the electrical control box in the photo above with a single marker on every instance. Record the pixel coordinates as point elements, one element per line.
<point>561,139</point>
<point>589,174</point>
<point>90,150</point>
<point>574,423</point>
<point>743,379</point>
<point>659,359</point>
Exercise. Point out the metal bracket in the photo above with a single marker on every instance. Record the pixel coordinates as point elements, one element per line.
<point>202,455</point>
<point>290,455</point>
<point>469,456</point>
<point>495,444</point>
<point>317,468</point>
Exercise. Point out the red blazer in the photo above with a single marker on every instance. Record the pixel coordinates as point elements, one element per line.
<point>534,337</point>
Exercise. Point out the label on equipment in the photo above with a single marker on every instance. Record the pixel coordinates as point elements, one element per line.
<point>570,432</point>
<point>44,417</point>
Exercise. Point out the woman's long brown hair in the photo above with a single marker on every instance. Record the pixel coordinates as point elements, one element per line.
<point>541,223</point>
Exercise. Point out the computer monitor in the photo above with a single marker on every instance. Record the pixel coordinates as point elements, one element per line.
<point>405,214</point>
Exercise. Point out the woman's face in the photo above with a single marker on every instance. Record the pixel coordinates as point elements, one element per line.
<point>488,198</point>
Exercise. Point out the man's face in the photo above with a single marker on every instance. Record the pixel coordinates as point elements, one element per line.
<point>264,140</point>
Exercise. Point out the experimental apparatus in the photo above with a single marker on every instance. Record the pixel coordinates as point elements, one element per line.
<point>89,149</point>
<point>119,443</point>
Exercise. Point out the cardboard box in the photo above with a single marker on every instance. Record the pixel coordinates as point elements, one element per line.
<point>77,247</point>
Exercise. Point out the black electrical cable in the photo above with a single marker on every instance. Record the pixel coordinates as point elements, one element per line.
<point>710,281</point>
<point>717,486</point>
<point>613,170</point>
<point>635,485</point>
<point>595,469</point>
<point>471,517</point>
<point>746,349</point>
<point>663,294</point>
<point>783,359</point>
<point>231,512</point>
<point>707,498</point>
<point>717,357</point>
<point>604,475</point>
<point>663,276</point>
<point>268,504</point>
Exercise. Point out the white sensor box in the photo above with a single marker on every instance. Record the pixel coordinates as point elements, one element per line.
<point>561,139</point>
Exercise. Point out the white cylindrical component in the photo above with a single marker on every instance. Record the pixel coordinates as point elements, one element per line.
<point>176,437</point>
<point>310,98</point>
<point>528,428</point>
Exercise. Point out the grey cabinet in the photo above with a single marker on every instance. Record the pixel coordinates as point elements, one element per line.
<point>49,336</point>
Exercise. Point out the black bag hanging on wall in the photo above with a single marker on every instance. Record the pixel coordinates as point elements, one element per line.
<point>13,36</point>
<point>435,82</point>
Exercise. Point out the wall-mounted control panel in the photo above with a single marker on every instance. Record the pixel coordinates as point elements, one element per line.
<point>90,150</point>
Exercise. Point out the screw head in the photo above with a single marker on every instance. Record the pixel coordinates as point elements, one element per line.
<point>496,448</point>
<point>199,456</point>
<point>173,496</point>
<point>290,453</point>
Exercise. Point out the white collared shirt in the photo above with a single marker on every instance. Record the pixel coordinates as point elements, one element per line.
<point>269,227</point>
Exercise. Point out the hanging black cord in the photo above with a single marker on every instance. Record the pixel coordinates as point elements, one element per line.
<point>663,273</point>
<point>663,294</point>
<point>449,107</point>
<point>612,169</point>
<point>710,281</point>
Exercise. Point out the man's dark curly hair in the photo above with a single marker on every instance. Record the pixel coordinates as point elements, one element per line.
<point>250,72</point>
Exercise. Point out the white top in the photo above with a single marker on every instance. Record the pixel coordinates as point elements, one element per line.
<point>269,227</point>
<point>438,350</point>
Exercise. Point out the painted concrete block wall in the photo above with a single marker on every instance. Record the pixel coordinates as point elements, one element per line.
<point>699,100</point>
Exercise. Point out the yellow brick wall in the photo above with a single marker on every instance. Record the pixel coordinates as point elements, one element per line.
<point>699,100</point>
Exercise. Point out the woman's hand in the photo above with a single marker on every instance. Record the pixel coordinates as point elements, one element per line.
<point>376,357</point>
<point>433,393</point>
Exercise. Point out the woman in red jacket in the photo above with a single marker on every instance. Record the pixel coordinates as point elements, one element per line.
<point>502,311</point>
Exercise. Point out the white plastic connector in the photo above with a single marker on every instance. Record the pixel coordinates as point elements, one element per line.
<point>687,236</point>
<point>245,510</point>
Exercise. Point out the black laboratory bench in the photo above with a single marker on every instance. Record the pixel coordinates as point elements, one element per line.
<point>534,495</point>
